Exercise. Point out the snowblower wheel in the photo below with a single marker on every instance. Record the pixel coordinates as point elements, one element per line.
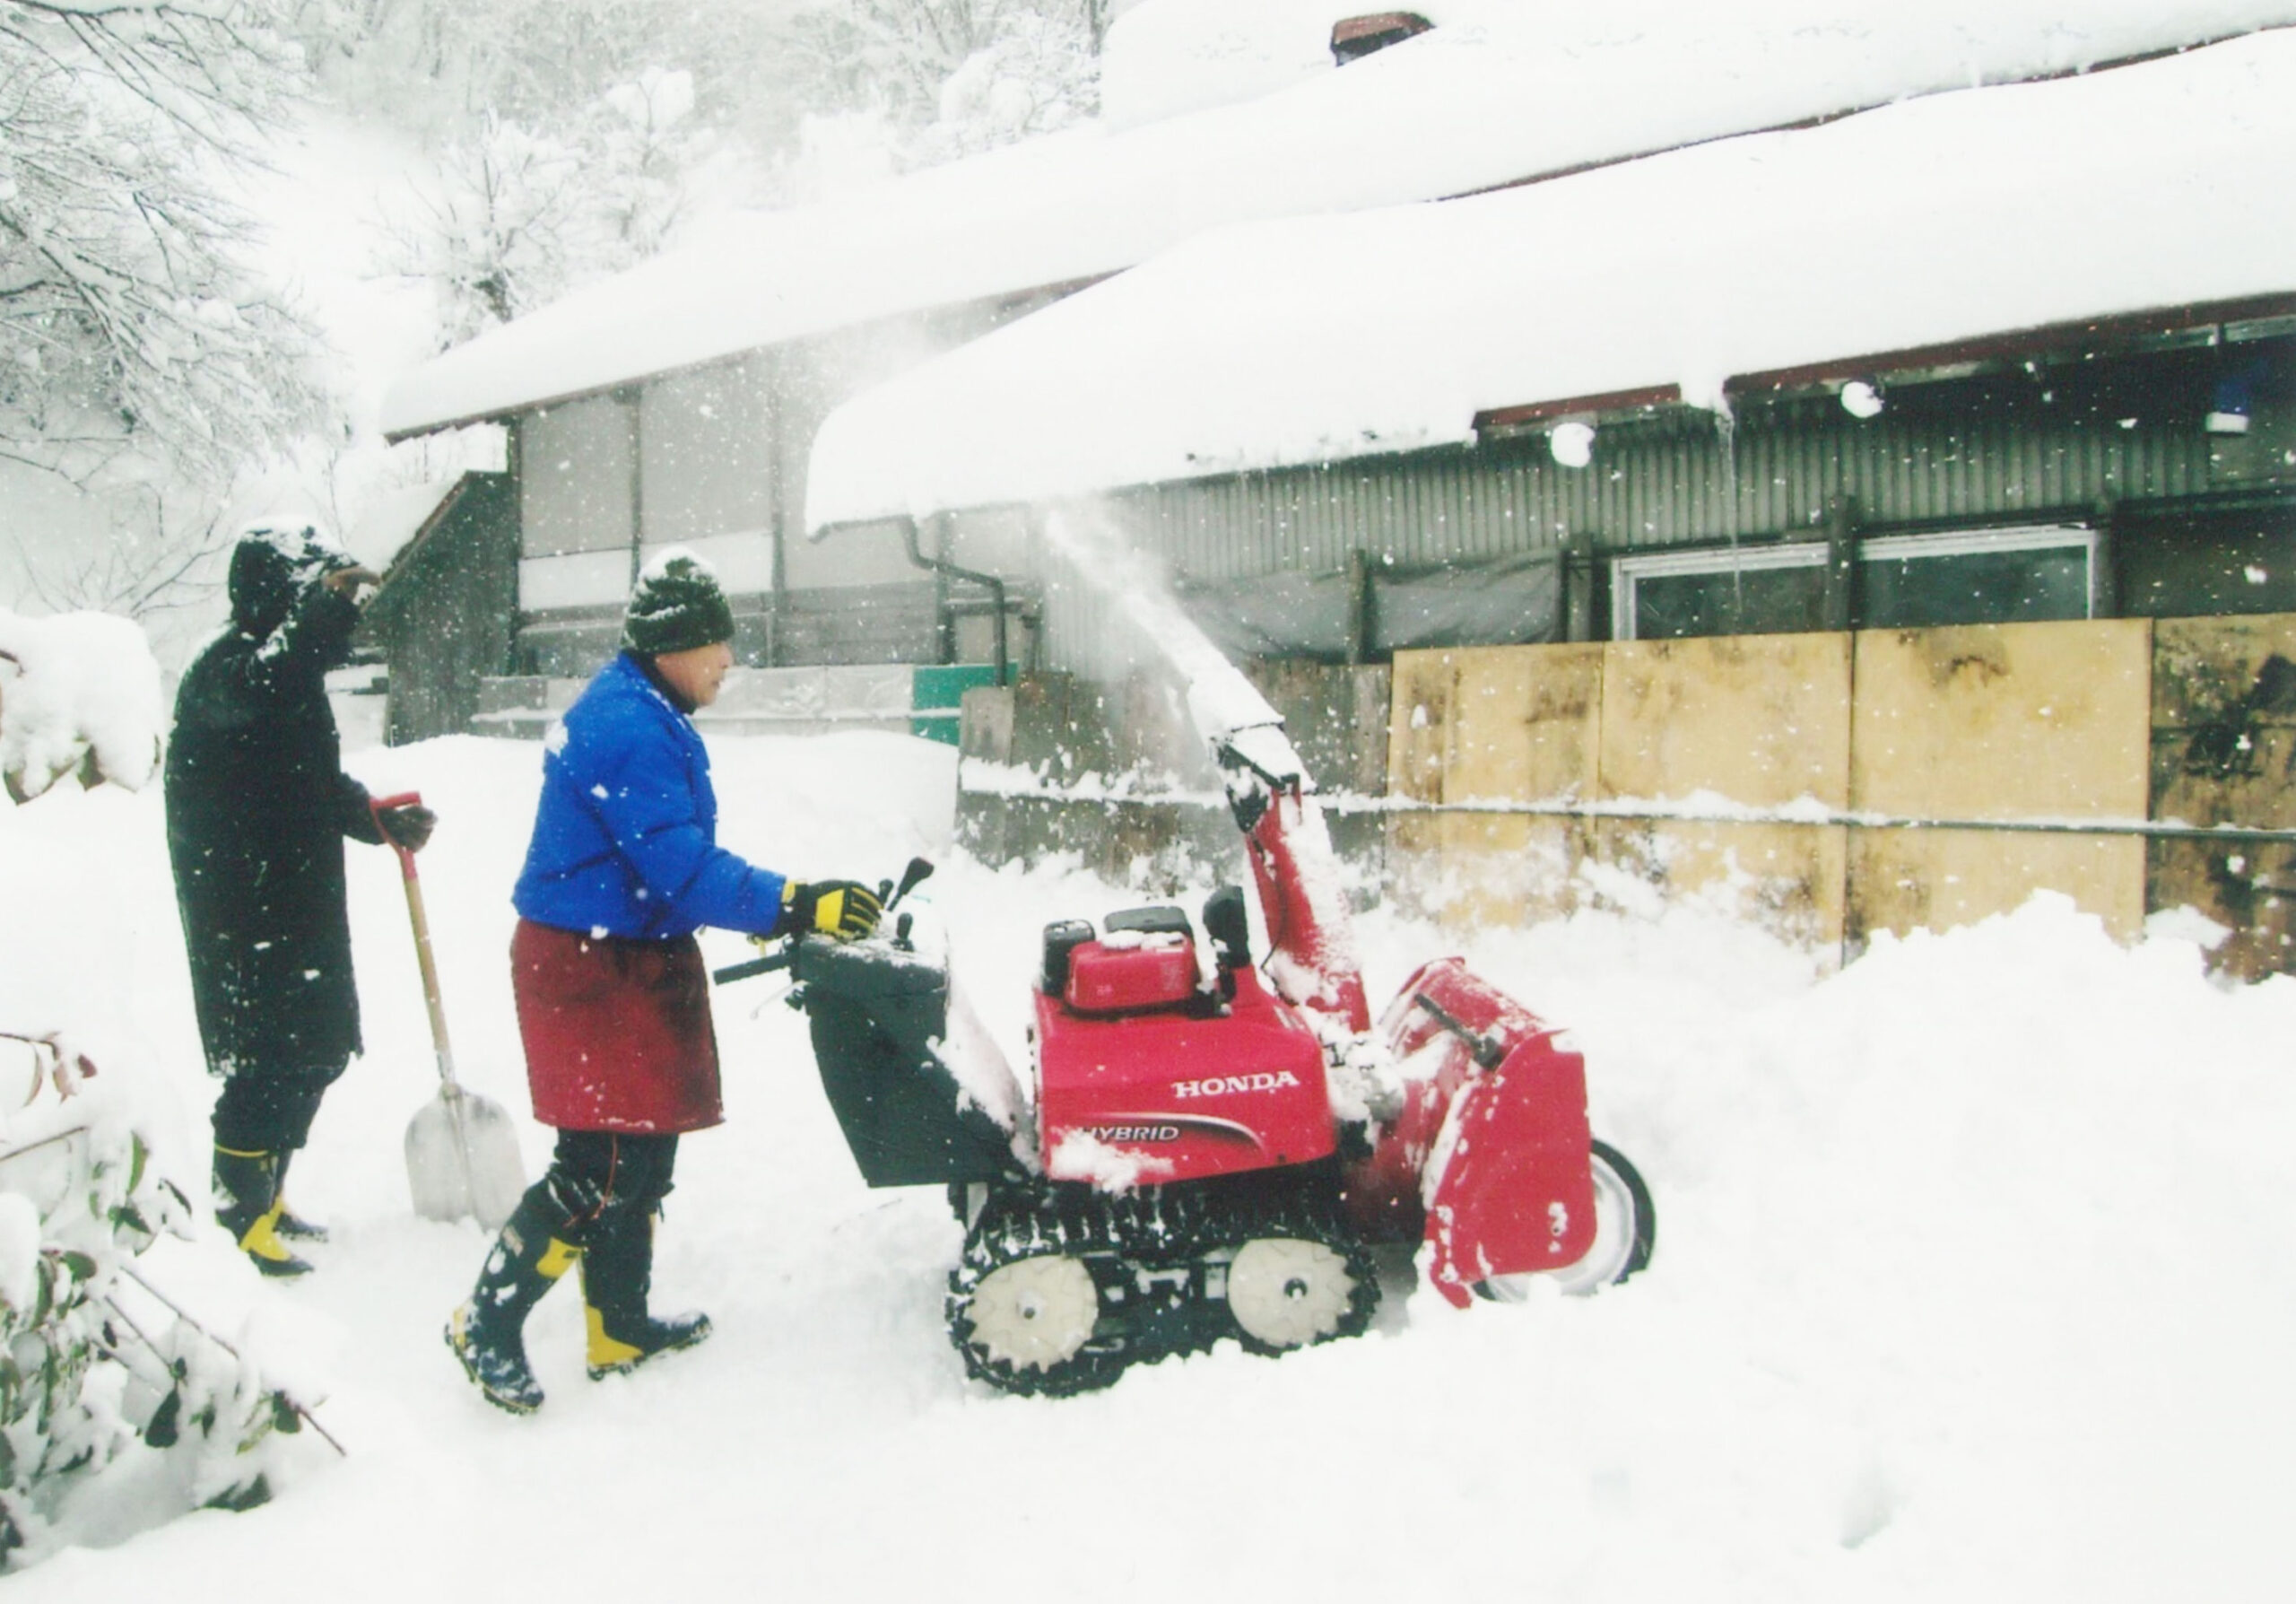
<point>1285,1293</point>
<point>1626,1226</point>
<point>1034,1314</point>
<point>1023,1305</point>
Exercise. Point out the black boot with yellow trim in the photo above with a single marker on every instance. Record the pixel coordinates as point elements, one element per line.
<point>247,1206</point>
<point>290,1225</point>
<point>617,1276</point>
<point>488,1333</point>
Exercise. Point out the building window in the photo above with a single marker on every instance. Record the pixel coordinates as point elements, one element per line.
<point>1902,581</point>
<point>1748,591</point>
<point>705,441</point>
<point>575,462</point>
<point>1999,576</point>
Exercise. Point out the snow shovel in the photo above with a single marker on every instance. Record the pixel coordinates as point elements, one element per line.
<point>462,1151</point>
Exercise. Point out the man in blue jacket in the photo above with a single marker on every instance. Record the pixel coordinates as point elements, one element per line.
<point>613,998</point>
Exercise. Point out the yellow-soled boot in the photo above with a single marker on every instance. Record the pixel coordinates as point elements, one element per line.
<point>247,1206</point>
<point>290,1226</point>
<point>488,1332</point>
<point>617,1275</point>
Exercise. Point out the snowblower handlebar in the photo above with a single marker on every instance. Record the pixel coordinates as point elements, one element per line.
<point>919,869</point>
<point>756,966</point>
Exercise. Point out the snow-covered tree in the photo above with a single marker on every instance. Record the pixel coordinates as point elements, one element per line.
<point>130,322</point>
<point>643,132</point>
<point>437,65</point>
<point>495,236</point>
<point>518,215</point>
<point>162,549</point>
<point>951,77</point>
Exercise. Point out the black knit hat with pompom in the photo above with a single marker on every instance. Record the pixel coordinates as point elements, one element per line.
<point>678,605</point>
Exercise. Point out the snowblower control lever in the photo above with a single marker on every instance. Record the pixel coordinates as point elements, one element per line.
<point>919,871</point>
<point>1488,1051</point>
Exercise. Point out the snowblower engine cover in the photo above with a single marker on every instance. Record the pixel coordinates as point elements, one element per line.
<point>1129,971</point>
<point>1180,1095</point>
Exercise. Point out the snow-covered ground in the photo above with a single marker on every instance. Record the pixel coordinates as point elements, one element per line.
<point>1974,1280</point>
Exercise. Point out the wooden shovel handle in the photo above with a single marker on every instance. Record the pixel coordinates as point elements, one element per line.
<point>430,967</point>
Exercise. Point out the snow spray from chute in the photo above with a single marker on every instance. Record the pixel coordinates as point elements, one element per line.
<point>1311,948</point>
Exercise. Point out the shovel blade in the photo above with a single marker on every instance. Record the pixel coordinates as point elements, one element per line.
<point>463,1162</point>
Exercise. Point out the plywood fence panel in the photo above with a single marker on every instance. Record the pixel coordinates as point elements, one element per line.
<point>2003,721</point>
<point>1418,743</point>
<point>1903,880</point>
<point>1757,720</point>
<point>1789,879</point>
<point>1504,724</point>
<point>2224,752</point>
<point>2028,721</point>
<point>1761,719</point>
<point>1525,726</point>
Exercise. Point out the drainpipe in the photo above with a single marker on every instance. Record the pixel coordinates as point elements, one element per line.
<point>947,569</point>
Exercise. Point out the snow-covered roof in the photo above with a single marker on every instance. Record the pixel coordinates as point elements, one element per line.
<point>1528,91</point>
<point>392,518</point>
<point>1934,221</point>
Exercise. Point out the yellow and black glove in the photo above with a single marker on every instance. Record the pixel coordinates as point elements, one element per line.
<point>845,909</point>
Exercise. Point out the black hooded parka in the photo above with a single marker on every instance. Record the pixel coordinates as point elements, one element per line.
<point>258,806</point>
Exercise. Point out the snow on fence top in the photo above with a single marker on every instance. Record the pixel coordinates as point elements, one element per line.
<point>1519,94</point>
<point>1316,339</point>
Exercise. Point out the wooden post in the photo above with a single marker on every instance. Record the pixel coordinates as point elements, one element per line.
<point>1841,563</point>
<point>1559,627</point>
<point>1359,606</point>
<point>627,399</point>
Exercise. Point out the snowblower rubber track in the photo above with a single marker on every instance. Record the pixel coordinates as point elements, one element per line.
<point>1060,1286</point>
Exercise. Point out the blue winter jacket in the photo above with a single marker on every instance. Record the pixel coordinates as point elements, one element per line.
<point>626,838</point>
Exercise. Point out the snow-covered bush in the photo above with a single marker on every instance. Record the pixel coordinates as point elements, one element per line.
<point>79,692</point>
<point>101,1381</point>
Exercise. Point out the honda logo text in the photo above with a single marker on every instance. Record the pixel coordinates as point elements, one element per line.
<point>1215,1085</point>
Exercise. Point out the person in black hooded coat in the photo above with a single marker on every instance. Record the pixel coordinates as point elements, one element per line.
<point>257,806</point>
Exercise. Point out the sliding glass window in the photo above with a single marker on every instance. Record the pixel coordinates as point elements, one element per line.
<point>1902,581</point>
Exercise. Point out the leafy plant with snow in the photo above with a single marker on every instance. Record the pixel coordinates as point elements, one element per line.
<point>95,1372</point>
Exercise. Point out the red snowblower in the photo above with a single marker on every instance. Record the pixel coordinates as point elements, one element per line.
<point>1215,1144</point>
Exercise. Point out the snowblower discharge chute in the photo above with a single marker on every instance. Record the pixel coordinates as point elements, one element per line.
<point>1212,1146</point>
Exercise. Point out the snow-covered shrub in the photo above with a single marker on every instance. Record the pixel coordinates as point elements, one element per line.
<point>79,692</point>
<point>102,1383</point>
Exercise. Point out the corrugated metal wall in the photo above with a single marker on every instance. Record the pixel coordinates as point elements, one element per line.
<point>1669,481</point>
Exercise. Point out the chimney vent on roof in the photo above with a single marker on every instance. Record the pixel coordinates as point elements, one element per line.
<point>1355,38</point>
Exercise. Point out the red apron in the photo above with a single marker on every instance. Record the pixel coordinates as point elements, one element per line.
<point>616,1030</point>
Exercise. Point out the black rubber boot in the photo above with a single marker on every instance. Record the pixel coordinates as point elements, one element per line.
<point>247,1206</point>
<point>290,1225</point>
<point>488,1333</point>
<point>617,1275</point>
